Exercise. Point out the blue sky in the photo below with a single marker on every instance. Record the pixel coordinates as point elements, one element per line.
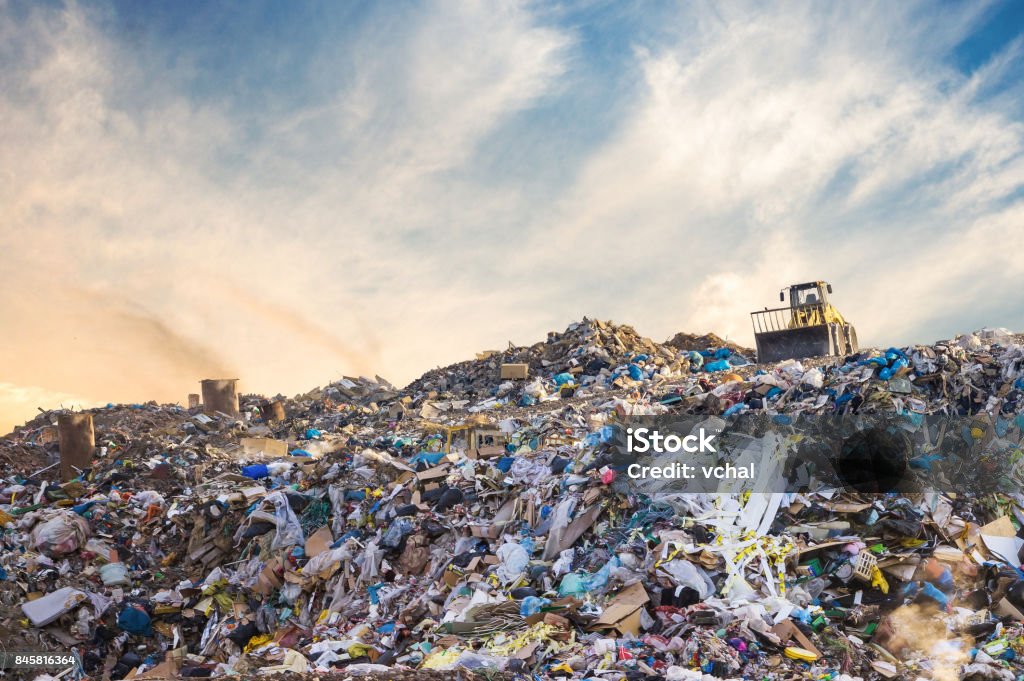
<point>289,192</point>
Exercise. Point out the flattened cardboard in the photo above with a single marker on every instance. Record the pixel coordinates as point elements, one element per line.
<point>1005,608</point>
<point>486,452</point>
<point>435,473</point>
<point>263,446</point>
<point>574,531</point>
<point>787,631</point>
<point>319,541</point>
<point>563,606</point>
<point>1001,540</point>
<point>452,577</point>
<point>515,371</point>
<point>623,612</point>
<point>268,580</point>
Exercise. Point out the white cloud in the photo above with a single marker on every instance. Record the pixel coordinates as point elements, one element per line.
<point>797,143</point>
<point>142,263</point>
<point>153,236</point>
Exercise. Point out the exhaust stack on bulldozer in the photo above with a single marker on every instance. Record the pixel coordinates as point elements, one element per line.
<point>809,327</point>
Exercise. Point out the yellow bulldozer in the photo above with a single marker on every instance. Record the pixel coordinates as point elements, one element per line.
<point>808,327</point>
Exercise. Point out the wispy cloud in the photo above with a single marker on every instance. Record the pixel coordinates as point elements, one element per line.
<point>803,142</point>
<point>359,193</point>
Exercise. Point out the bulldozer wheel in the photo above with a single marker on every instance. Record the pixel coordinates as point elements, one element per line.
<point>851,339</point>
<point>838,340</point>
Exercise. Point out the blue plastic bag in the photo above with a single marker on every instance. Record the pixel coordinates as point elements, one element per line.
<point>717,365</point>
<point>135,621</point>
<point>532,605</point>
<point>256,471</point>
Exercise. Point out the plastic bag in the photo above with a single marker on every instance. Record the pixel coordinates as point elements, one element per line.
<point>514,560</point>
<point>336,493</point>
<point>471,660</point>
<point>290,593</point>
<point>814,378</point>
<point>289,530</point>
<point>532,605</point>
<point>718,365</point>
<point>396,532</point>
<point>559,521</point>
<point>62,532</point>
<point>148,498</point>
<point>685,573</point>
<point>571,585</point>
<point>599,579</point>
<point>256,471</point>
<point>563,564</point>
<point>535,389</point>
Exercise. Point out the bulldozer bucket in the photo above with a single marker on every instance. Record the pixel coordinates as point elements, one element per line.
<point>807,341</point>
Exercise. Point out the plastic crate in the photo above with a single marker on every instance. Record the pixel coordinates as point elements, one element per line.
<point>864,566</point>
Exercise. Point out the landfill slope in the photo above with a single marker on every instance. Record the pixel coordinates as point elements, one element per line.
<point>474,526</point>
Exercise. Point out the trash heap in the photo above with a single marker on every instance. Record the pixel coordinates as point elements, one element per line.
<point>691,341</point>
<point>475,524</point>
<point>589,358</point>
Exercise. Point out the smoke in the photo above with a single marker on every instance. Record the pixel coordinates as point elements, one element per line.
<point>924,631</point>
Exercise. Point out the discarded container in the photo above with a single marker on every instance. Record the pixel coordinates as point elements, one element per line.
<point>864,566</point>
<point>272,412</point>
<point>77,444</point>
<point>44,610</point>
<point>219,396</point>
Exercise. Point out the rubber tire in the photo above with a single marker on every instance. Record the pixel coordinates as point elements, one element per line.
<point>838,340</point>
<point>851,339</point>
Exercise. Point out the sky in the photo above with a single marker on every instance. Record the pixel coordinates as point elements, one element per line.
<point>287,193</point>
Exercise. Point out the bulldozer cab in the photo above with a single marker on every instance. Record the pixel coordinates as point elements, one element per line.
<point>809,327</point>
<point>809,304</point>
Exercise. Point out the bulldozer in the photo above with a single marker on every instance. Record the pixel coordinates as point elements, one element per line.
<point>808,327</point>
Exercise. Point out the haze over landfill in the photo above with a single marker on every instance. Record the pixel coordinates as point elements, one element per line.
<point>289,196</point>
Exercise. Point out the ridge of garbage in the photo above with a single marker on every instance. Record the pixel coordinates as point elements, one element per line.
<point>471,523</point>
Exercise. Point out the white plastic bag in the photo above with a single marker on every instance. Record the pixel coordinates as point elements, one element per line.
<point>685,573</point>
<point>289,530</point>
<point>61,533</point>
<point>514,560</point>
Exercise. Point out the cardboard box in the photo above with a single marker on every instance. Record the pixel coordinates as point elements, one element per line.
<point>486,452</point>
<point>435,473</point>
<point>264,446</point>
<point>515,372</point>
<point>485,531</point>
<point>787,631</point>
<point>622,613</point>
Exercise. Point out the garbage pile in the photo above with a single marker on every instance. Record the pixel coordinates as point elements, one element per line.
<point>588,358</point>
<point>691,341</point>
<point>472,523</point>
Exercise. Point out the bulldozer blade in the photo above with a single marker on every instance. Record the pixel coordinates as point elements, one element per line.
<point>808,341</point>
